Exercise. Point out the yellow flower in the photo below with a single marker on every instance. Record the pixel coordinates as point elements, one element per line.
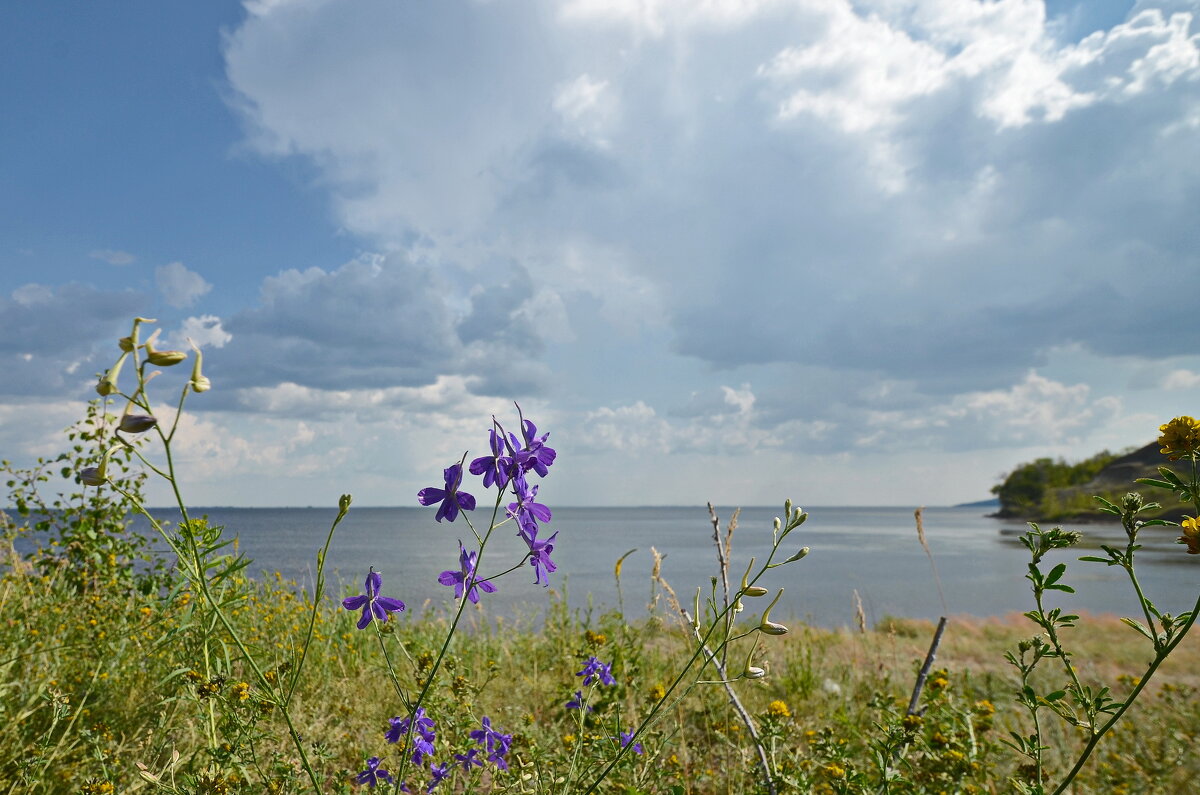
<point>1191,534</point>
<point>778,709</point>
<point>1180,437</point>
<point>834,770</point>
<point>658,693</point>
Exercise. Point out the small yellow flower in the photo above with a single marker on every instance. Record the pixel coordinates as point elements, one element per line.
<point>568,739</point>
<point>1191,535</point>
<point>778,709</point>
<point>658,693</point>
<point>241,691</point>
<point>834,770</point>
<point>1180,437</point>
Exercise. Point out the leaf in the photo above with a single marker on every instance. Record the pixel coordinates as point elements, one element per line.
<point>1159,484</point>
<point>1056,695</point>
<point>1140,627</point>
<point>1094,559</point>
<point>1170,475</point>
<point>1055,574</point>
<point>1060,587</point>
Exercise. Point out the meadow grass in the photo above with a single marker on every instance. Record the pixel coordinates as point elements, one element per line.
<point>93,684</point>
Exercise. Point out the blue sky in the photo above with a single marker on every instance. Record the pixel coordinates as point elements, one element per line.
<point>733,250</point>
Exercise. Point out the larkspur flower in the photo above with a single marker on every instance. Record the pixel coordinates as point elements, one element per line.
<point>593,669</point>
<point>626,739</point>
<point>539,555</point>
<point>471,757</point>
<point>576,702</point>
<point>423,736</point>
<point>495,468</point>
<point>526,510</point>
<point>466,574</point>
<point>494,742</point>
<point>534,455</point>
<point>451,498</point>
<point>374,773</point>
<point>440,774</point>
<point>371,602</point>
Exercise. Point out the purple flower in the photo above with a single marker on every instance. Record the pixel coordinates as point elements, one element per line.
<point>593,669</point>
<point>535,454</point>
<point>371,602</point>
<point>423,738</point>
<point>471,757</point>
<point>626,739</point>
<point>495,468</point>
<point>495,743</point>
<point>461,579</point>
<point>440,773</point>
<point>526,510</point>
<point>373,774</point>
<point>450,497</point>
<point>539,555</point>
<point>576,702</point>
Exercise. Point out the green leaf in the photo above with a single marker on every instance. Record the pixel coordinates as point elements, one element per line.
<point>1158,484</point>
<point>1055,574</point>
<point>1140,627</point>
<point>1060,587</point>
<point>1056,695</point>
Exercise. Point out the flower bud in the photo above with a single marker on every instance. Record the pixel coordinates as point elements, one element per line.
<point>95,476</point>
<point>162,358</point>
<point>752,672</point>
<point>751,590</point>
<point>126,344</point>
<point>137,423</point>
<point>802,553</point>
<point>108,384</point>
<point>199,382</point>
<point>768,626</point>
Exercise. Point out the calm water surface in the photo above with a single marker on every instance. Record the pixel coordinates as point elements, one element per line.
<point>873,551</point>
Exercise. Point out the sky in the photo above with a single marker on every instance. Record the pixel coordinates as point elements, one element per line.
<point>870,252</point>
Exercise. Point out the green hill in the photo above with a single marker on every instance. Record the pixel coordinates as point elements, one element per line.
<point>1050,490</point>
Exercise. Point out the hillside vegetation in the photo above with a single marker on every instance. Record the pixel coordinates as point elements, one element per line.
<point>1052,490</point>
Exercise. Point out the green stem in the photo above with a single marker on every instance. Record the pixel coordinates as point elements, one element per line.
<point>437,663</point>
<point>1098,734</point>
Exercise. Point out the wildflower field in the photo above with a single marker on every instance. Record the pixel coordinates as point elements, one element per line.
<point>123,669</point>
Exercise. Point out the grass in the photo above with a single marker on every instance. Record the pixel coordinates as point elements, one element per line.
<point>94,684</point>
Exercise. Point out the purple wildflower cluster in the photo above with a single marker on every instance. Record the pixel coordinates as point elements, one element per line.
<point>593,669</point>
<point>495,744</point>
<point>509,466</point>
<point>423,736</point>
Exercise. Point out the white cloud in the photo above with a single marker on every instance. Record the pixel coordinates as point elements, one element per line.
<point>179,286</point>
<point>1035,411</point>
<point>205,331</point>
<point>1181,379</point>
<point>113,256</point>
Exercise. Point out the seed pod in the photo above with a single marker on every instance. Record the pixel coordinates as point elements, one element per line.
<point>768,626</point>
<point>137,423</point>
<point>108,384</point>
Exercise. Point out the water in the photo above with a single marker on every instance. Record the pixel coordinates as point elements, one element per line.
<point>873,551</point>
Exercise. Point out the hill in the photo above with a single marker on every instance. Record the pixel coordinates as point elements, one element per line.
<point>1048,490</point>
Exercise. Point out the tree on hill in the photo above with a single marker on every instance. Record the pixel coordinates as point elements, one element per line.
<point>1025,489</point>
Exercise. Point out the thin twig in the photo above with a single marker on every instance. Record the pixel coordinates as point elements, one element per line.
<point>924,672</point>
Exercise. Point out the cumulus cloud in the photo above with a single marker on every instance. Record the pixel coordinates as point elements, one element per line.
<point>1035,411</point>
<point>113,256</point>
<point>56,338</point>
<point>924,190</point>
<point>1181,379</point>
<point>179,286</point>
<point>205,331</point>
<point>380,322</point>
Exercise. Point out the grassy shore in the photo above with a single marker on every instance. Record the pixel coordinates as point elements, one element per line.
<point>93,685</point>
